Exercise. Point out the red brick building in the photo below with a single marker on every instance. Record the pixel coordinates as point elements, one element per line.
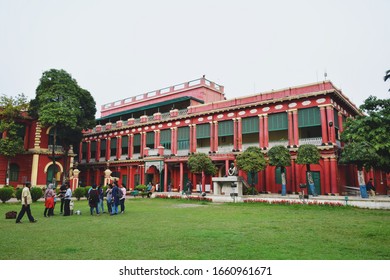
<point>35,164</point>
<point>148,138</point>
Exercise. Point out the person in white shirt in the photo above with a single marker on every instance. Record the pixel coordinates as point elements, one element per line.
<point>68,198</point>
<point>122,199</point>
<point>26,202</point>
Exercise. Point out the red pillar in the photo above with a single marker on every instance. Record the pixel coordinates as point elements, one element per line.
<point>211,137</point>
<point>130,148</point>
<point>327,175</point>
<point>324,125</point>
<point>181,177</point>
<point>193,141</point>
<point>261,132</point>
<point>215,136</point>
<point>269,185</point>
<point>265,130</point>
<point>290,129</point>
<point>226,167</point>
<point>330,117</point>
<point>174,140</point>
<point>108,148</point>
<point>239,138</point>
<point>293,177</point>
<point>235,134</point>
<point>298,175</point>
<point>191,138</point>
<point>203,182</point>
<point>295,127</point>
<point>333,172</point>
<point>165,177</point>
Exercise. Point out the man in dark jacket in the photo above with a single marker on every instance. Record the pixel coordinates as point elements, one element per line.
<point>115,198</point>
<point>370,187</point>
<point>62,196</point>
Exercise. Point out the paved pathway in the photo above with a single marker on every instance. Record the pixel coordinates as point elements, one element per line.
<point>377,202</point>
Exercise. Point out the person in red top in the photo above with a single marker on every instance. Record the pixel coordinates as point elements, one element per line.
<point>49,201</point>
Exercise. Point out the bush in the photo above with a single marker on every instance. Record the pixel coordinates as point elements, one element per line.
<point>6,193</point>
<point>140,188</point>
<point>86,189</point>
<point>36,193</point>
<point>18,193</point>
<point>79,192</point>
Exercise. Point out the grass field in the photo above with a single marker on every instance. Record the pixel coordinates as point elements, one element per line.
<point>181,230</point>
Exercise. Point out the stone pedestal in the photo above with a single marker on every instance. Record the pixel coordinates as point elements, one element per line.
<point>223,185</point>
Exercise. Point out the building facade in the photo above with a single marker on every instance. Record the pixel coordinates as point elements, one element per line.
<point>149,137</point>
<point>36,163</point>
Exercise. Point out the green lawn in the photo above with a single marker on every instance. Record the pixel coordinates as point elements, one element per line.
<point>180,230</point>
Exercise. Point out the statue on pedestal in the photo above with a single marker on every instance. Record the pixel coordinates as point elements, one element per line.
<point>232,170</point>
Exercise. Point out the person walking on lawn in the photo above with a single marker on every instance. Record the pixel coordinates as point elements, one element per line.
<point>26,202</point>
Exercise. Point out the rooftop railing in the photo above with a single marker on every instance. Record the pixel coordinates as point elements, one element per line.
<point>161,92</point>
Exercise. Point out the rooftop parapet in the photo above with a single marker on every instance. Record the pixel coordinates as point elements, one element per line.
<point>124,104</point>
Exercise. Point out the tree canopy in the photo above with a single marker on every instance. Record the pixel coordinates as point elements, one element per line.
<point>62,103</point>
<point>308,154</point>
<point>279,156</point>
<point>200,162</point>
<point>251,160</point>
<point>11,111</point>
<point>369,133</point>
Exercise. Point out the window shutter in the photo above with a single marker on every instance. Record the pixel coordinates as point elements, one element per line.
<point>309,117</point>
<point>203,131</point>
<point>225,128</point>
<point>250,125</point>
<point>277,122</point>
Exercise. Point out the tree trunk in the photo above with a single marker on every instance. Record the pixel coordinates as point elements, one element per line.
<point>283,177</point>
<point>203,182</point>
<point>8,171</point>
<point>362,183</point>
<point>310,181</point>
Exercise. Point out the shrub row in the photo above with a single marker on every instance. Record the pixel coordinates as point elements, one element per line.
<point>8,192</point>
<point>196,198</point>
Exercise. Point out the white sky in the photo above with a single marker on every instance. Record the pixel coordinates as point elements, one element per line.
<point>116,49</point>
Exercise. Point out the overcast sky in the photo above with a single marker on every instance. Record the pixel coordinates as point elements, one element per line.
<point>116,49</point>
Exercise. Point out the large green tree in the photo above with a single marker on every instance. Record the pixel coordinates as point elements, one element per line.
<point>279,156</point>
<point>308,154</point>
<point>12,111</point>
<point>60,103</point>
<point>370,132</point>
<point>200,163</point>
<point>251,161</point>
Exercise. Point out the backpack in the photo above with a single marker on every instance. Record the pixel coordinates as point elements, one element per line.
<point>119,193</point>
<point>93,196</point>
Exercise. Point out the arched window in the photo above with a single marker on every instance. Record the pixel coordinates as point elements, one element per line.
<point>14,172</point>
